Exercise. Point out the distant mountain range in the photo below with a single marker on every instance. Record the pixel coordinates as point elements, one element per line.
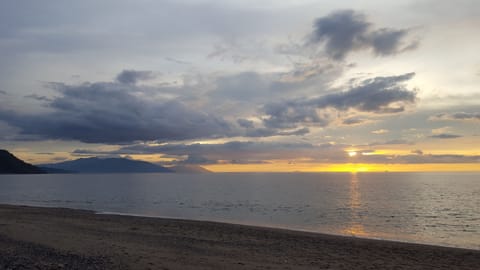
<point>104,165</point>
<point>115,165</point>
<point>9,164</point>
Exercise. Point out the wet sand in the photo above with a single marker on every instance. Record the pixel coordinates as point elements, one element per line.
<point>57,238</point>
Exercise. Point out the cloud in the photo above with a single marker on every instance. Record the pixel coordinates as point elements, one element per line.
<point>445,136</point>
<point>418,152</point>
<point>428,158</point>
<point>391,142</point>
<point>346,31</point>
<point>197,159</point>
<point>459,116</point>
<point>245,123</point>
<point>380,131</point>
<point>353,121</point>
<point>133,76</point>
<point>174,60</point>
<point>38,97</point>
<point>116,113</point>
<point>2,92</point>
<point>379,95</point>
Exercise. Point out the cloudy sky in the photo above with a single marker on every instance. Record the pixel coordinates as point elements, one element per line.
<point>245,85</point>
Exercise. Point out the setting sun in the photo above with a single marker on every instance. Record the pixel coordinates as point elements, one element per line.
<point>352,153</point>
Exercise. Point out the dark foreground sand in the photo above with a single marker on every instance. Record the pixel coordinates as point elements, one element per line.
<point>52,238</point>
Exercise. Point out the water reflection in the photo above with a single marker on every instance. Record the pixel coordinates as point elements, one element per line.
<point>355,227</point>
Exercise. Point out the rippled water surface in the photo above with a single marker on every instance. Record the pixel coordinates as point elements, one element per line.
<point>435,208</point>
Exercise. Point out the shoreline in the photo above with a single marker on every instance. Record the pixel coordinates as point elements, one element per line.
<point>64,238</point>
<point>226,222</point>
<point>271,227</point>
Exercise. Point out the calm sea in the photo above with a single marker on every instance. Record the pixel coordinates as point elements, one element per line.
<point>434,208</point>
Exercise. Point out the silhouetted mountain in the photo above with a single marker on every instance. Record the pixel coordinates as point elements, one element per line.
<point>106,165</point>
<point>189,169</point>
<point>9,164</point>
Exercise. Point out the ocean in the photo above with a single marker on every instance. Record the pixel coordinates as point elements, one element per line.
<point>432,208</point>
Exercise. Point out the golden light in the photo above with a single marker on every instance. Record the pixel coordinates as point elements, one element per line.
<point>285,166</point>
<point>352,153</point>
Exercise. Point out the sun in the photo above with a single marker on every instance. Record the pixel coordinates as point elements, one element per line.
<point>352,153</point>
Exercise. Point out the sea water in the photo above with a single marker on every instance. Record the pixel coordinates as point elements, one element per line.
<point>432,208</point>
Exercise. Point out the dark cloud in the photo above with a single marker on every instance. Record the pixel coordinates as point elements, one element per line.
<point>387,41</point>
<point>197,159</point>
<point>133,76</point>
<point>2,92</point>
<point>116,113</point>
<point>353,121</point>
<point>38,97</point>
<point>346,31</point>
<point>459,116</point>
<point>290,113</point>
<point>378,95</point>
<point>445,136</point>
<point>245,123</point>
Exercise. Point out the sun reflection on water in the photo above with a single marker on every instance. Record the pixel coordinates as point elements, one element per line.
<point>355,227</point>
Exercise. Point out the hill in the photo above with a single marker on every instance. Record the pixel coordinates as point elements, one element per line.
<point>9,164</point>
<point>105,165</point>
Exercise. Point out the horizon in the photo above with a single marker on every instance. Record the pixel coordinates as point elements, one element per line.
<point>321,168</point>
<point>235,86</point>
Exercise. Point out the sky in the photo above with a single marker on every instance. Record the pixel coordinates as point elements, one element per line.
<point>236,85</point>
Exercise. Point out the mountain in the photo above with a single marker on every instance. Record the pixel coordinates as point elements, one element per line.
<point>105,165</point>
<point>9,164</point>
<point>189,169</point>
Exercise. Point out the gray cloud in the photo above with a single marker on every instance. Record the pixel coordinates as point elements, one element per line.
<point>378,95</point>
<point>2,92</point>
<point>115,113</point>
<point>352,121</point>
<point>176,61</point>
<point>391,142</point>
<point>245,123</point>
<point>445,136</point>
<point>459,116</point>
<point>428,158</point>
<point>38,97</point>
<point>346,31</point>
<point>372,95</point>
<point>197,159</point>
<point>123,112</point>
<point>133,76</point>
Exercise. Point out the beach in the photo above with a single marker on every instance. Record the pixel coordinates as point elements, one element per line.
<point>59,238</point>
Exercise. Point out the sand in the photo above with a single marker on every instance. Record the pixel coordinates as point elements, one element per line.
<point>56,238</point>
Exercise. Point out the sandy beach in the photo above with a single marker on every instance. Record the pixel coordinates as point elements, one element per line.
<point>56,238</point>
